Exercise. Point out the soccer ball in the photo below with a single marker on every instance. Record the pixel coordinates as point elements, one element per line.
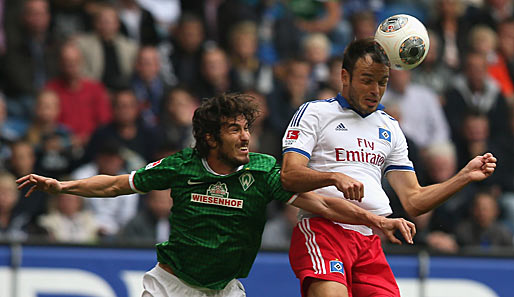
<point>404,39</point>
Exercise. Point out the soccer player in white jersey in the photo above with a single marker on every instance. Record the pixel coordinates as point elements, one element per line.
<point>341,147</point>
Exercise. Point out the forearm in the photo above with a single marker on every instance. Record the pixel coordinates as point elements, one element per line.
<point>98,186</point>
<point>430,197</point>
<point>301,179</point>
<point>342,211</point>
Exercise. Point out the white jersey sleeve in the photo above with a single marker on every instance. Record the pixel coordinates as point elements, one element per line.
<point>302,133</point>
<point>398,158</point>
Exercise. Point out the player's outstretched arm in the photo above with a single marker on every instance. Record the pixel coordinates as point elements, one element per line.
<point>297,177</point>
<point>340,210</point>
<point>417,200</point>
<point>95,186</point>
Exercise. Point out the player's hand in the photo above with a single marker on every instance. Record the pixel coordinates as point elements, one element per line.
<point>480,167</point>
<point>406,228</point>
<point>39,183</point>
<point>351,188</point>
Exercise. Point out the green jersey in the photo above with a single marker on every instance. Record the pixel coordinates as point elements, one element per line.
<point>216,220</point>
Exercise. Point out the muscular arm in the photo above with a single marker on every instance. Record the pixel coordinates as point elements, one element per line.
<point>297,177</point>
<point>95,186</point>
<point>417,200</point>
<point>340,210</point>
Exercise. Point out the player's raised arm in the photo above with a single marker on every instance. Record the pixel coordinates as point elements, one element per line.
<point>95,186</point>
<point>342,211</point>
<point>417,200</point>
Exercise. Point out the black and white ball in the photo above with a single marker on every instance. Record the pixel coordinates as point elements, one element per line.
<point>404,39</point>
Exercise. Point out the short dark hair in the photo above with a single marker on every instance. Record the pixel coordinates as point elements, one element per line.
<point>360,48</point>
<point>209,117</point>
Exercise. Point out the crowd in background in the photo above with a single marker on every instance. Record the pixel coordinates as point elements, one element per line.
<point>106,86</point>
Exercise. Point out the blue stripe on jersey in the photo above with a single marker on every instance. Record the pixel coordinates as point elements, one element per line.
<point>399,167</point>
<point>297,150</point>
<point>300,114</point>
<point>293,120</point>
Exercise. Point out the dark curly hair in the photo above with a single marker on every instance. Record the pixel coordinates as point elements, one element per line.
<point>213,112</point>
<point>360,48</point>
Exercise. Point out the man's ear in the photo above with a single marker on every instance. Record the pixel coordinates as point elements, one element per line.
<point>345,77</point>
<point>211,141</point>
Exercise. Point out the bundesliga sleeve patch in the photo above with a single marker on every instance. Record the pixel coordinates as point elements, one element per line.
<point>336,266</point>
<point>292,134</point>
<point>153,164</point>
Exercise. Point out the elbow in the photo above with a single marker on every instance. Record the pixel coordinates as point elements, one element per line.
<point>413,211</point>
<point>286,181</point>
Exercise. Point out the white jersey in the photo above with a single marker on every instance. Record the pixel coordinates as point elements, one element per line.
<point>335,138</point>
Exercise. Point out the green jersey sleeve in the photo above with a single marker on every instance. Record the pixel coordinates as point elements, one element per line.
<point>157,175</point>
<point>275,186</point>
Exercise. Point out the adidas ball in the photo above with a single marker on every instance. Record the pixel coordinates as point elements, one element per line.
<point>404,39</point>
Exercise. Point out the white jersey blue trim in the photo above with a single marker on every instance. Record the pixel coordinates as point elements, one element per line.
<point>337,138</point>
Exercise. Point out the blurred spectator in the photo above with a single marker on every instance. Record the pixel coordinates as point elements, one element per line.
<point>8,130</point>
<point>502,70</point>
<point>483,229</point>
<point>176,119</point>
<point>483,40</point>
<point>291,91</point>
<point>333,81</point>
<point>30,58</point>
<point>166,13</point>
<point>151,223</point>
<point>262,138</point>
<point>137,139</point>
<point>277,231</point>
<point>491,13</point>
<point>436,240</point>
<point>315,16</point>
<point>13,225</point>
<point>474,90</point>
<point>137,23</point>
<point>108,55</point>
<point>423,119</point>
<point>364,24</point>
<point>51,140</point>
<point>67,220</point>
<point>21,163</point>
<point>181,55</point>
<point>148,85</point>
<point>84,103</point>
<point>110,213</point>
<point>316,50</point>
<point>451,27</point>
<point>432,72</point>
<point>249,72</point>
<point>216,74</point>
<point>220,16</point>
<point>70,17</point>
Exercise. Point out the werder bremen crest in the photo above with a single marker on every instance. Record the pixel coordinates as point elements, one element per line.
<point>219,190</point>
<point>246,180</point>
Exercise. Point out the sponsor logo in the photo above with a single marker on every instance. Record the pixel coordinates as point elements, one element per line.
<point>213,200</point>
<point>341,127</point>
<point>343,155</point>
<point>193,182</point>
<point>153,164</point>
<point>384,134</point>
<point>219,189</point>
<point>217,194</point>
<point>292,134</point>
<point>246,179</point>
<point>336,266</point>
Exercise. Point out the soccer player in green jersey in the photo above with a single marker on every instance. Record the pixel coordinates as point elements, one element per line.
<point>220,191</point>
